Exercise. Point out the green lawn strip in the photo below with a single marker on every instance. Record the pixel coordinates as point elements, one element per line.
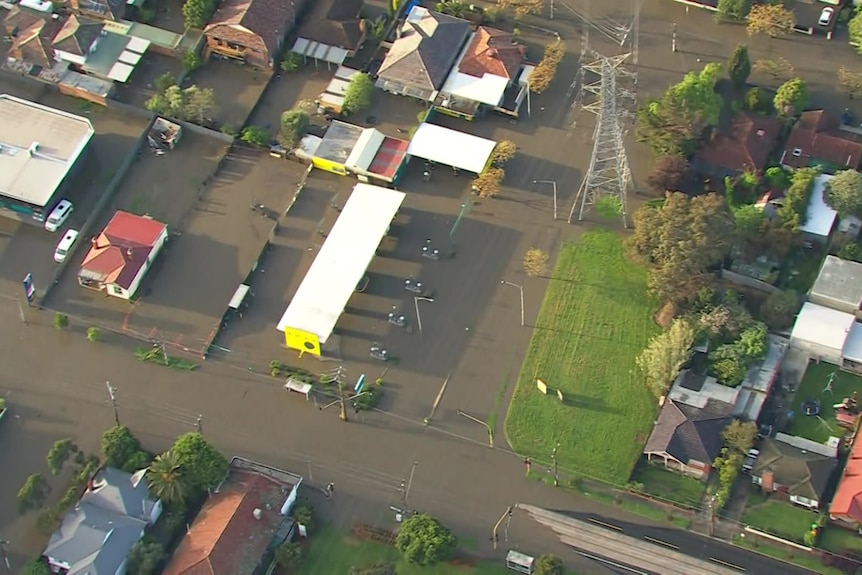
<point>800,558</point>
<point>780,518</point>
<point>595,319</point>
<point>838,540</point>
<point>811,387</point>
<point>332,551</point>
<point>663,484</point>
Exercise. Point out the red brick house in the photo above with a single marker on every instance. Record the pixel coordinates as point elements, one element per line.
<point>816,141</point>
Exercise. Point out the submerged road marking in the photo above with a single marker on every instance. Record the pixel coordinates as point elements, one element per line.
<point>660,542</point>
<point>603,524</point>
<point>726,564</point>
<point>611,563</point>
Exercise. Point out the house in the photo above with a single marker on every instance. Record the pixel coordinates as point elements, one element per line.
<point>76,39</point>
<point>122,253</point>
<point>251,31</point>
<point>688,439</point>
<point>490,63</point>
<point>33,43</point>
<point>742,147</point>
<point>98,534</point>
<point>816,141</point>
<point>795,466</point>
<point>829,335</point>
<point>846,507</point>
<point>838,285</point>
<point>421,57</point>
<point>113,10</point>
<point>332,31</point>
<point>820,218</point>
<point>238,524</point>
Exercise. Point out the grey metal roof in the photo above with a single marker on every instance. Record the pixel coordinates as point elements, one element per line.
<point>120,492</point>
<point>685,432</point>
<point>839,280</point>
<point>338,142</point>
<point>803,472</point>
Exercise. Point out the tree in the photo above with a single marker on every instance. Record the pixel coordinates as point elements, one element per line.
<point>778,69</point>
<point>146,557</point>
<point>137,461</point>
<point>165,478</point>
<point>503,152</point>
<point>522,7</point>
<point>288,554</point>
<point>61,320</point>
<point>739,436</point>
<point>739,66</point>
<point>455,8</point>
<point>850,81</point>
<point>93,334</point>
<point>357,97</point>
<point>843,193</point>
<point>255,135</point>
<point>749,220</point>
<point>294,123</point>
<point>791,97</point>
<point>198,12</point>
<point>727,464</point>
<point>191,61</point>
<point>727,365</point>
<point>425,541</point>
<point>118,446</point>
<point>204,467</point>
<point>165,81</point>
<point>59,454</point>
<point>304,514</point>
<point>794,209</point>
<point>36,566</point>
<point>665,354</point>
<point>535,262</point>
<point>733,9</point>
<point>549,565</point>
<point>854,27</point>
<point>33,493</point>
<point>292,62</point>
<point>669,174</point>
<point>757,101</point>
<point>487,185</point>
<point>546,69</point>
<point>771,19</point>
<point>199,104</point>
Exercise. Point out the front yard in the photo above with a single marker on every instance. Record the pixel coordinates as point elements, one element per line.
<point>811,389</point>
<point>663,484</point>
<point>595,319</point>
<point>779,518</point>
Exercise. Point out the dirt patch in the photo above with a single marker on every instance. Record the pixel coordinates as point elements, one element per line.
<point>664,316</point>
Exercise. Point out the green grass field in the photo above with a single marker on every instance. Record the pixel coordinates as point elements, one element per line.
<point>780,518</point>
<point>813,382</point>
<point>595,319</point>
<point>669,486</point>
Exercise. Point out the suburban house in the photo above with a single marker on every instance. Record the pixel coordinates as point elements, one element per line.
<point>32,37</point>
<point>240,523</point>
<point>98,534</point>
<point>490,64</point>
<point>251,31</point>
<point>420,59</point>
<point>838,285</point>
<point>817,141</point>
<point>75,40</point>
<point>332,31</point>
<point>743,146</point>
<point>820,221</point>
<point>829,335</point>
<point>796,467</point>
<point>122,253</point>
<point>113,10</point>
<point>846,507</point>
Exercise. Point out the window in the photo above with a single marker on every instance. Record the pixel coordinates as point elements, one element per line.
<point>797,152</point>
<point>117,290</point>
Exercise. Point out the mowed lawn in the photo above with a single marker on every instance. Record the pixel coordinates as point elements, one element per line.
<point>812,389</point>
<point>595,320</point>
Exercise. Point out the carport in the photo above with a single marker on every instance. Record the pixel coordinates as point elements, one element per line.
<point>451,148</point>
<point>337,270</point>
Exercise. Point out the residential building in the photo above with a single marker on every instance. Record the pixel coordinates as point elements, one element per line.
<point>838,285</point>
<point>32,37</point>
<point>796,467</point>
<point>820,220</point>
<point>251,31</point>
<point>98,534</point>
<point>332,31</point>
<point>829,335</point>
<point>846,507</point>
<point>420,59</point>
<point>41,151</point>
<point>122,253</point>
<point>743,146</point>
<point>239,524</point>
<point>75,40</point>
<point>817,141</point>
<point>101,9</point>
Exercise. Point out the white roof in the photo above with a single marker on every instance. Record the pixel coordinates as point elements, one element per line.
<point>823,326</point>
<point>120,72</point>
<point>821,217</point>
<point>451,148</point>
<point>38,146</point>
<point>342,261</point>
<point>345,73</point>
<point>488,89</point>
<point>129,57</point>
<point>138,45</point>
<point>365,149</point>
<point>853,344</point>
<point>338,87</point>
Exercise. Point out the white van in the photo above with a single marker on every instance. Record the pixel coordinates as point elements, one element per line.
<point>65,244</point>
<point>58,215</point>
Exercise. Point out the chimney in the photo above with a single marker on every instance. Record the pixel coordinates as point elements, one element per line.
<point>767,482</point>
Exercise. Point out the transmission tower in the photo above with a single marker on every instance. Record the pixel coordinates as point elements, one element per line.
<point>613,98</point>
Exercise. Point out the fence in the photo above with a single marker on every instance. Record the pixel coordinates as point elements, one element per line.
<point>747,281</point>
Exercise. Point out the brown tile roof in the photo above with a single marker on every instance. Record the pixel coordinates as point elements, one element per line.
<point>33,45</point>
<point>18,20</point>
<point>745,146</point>
<point>816,137</point>
<point>225,538</point>
<point>334,23</point>
<point>258,24</point>
<point>77,35</point>
<point>689,433</point>
<point>492,52</point>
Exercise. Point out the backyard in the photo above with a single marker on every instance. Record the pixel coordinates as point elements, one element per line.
<point>780,518</point>
<point>812,389</point>
<point>331,551</point>
<point>595,319</point>
<point>663,484</point>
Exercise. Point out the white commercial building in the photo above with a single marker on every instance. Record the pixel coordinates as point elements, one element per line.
<point>451,148</point>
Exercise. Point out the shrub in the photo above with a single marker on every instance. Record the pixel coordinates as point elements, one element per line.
<point>255,135</point>
<point>59,454</point>
<point>304,514</point>
<point>61,320</point>
<point>191,61</point>
<point>2,404</point>
<point>292,62</point>
<point>165,81</point>
<point>93,334</point>
<point>425,541</point>
<point>288,555</point>
<point>545,71</point>
<point>33,493</point>
<point>758,101</point>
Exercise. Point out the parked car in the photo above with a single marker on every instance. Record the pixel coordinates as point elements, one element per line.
<point>58,215</point>
<point>748,464</point>
<point>826,16</point>
<point>65,245</point>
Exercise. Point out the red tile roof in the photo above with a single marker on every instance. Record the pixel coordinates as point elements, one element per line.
<point>745,146</point>
<point>492,52</point>
<point>33,44</point>
<point>816,136</point>
<point>255,24</point>
<point>118,253</point>
<point>389,157</point>
<point>225,538</point>
<point>847,502</point>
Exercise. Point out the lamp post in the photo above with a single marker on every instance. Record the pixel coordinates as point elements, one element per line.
<point>112,396</point>
<point>556,473</point>
<point>416,301</point>
<point>554,184</point>
<point>521,290</point>
<point>673,39</point>
<point>5,555</point>
<point>405,489</point>
<point>480,422</point>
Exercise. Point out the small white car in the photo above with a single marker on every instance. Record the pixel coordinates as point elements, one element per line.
<point>826,16</point>
<point>58,215</point>
<point>65,245</point>
<point>750,460</point>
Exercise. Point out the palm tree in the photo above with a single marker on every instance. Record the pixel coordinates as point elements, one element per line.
<point>165,478</point>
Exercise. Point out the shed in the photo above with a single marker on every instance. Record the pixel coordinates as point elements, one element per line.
<point>451,148</point>
<point>820,217</point>
<point>336,146</point>
<point>821,332</point>
<point>520,562</point>
<point>838,285</point>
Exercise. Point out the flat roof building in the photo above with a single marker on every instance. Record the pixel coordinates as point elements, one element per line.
<point>838,285</point>
<point>39,146</point>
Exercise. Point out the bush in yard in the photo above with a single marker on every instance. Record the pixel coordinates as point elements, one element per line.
<point>36,566</point>
<point>137,461</point>
<point>854,27</point>
<point>288,555</point>
<point>191,61</point>
<point>503,152</point>
<point>794,209</point>
<point>357,97</point>
<point>739,66</point>
<point>843,193</point>
<point>255,135</point>
<point>739,436</point>
<point>423,540</point>
<point>779,309</point>
<point>198,12</point>
<point>61,320</point>
<point>757,101</point>
<point>93,334</point>
<point>727,464</point>
<point>33,493</point>
<point>791,97</point>
<point>165,81</point>
<point>545,71</point>
<point>549,565</point>
<point>666,353</point>
<point>59,454</point>
<point>292,62</point>
<point>118,445</point>
<point>146,557</point>
<point>294,123</point>
<point>304,514</point>
<point>735,10</point>
<point>203,465</point>
<point>669,174</point>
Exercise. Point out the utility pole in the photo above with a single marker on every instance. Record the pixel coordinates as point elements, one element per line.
<point>673,39</point>
<point>552,10</point>
<point>113,398</point>
<point>405,489</point>
<point>503,517</point>
<point>5,555</point>
<point>556,473</point>
<point>199,424</point>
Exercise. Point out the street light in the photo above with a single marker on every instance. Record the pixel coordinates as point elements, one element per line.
<point>416,301</point>
<point>553,183</point>
<point>521,289</point>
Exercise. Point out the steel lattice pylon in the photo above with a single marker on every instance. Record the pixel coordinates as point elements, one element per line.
<point>614,95</point>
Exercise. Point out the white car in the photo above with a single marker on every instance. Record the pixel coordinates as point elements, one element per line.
<point>750,460</point>
<point>58,215</point>
<point>65,245</point>
<point>826,16</point>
